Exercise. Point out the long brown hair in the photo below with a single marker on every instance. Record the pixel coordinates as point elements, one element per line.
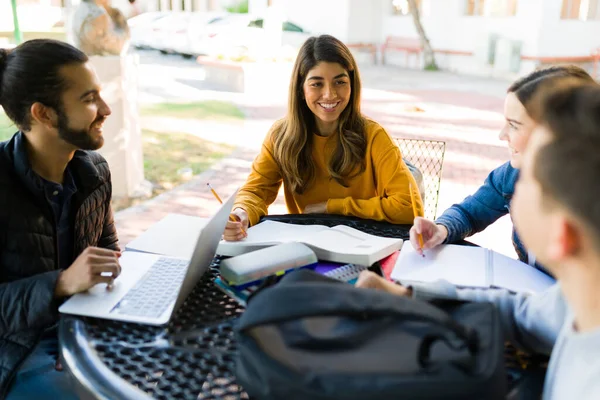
<point>293,139</point>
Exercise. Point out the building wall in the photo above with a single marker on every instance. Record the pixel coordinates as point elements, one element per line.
<point>537,29</point>
<point>448,28</point>
<point>319,16</point>
<point>364,21</point>
<point>566,37</point>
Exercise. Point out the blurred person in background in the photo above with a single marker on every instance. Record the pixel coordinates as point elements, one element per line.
<point>100,29</point>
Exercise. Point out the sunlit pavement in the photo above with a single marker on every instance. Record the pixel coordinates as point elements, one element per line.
<point>463,111</point>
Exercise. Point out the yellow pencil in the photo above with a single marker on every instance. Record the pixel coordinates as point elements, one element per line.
<point>231,217</point>
<point>415,213</point>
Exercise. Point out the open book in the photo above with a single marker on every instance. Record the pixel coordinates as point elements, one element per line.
<point>467,266</point>
<point>340,243</point>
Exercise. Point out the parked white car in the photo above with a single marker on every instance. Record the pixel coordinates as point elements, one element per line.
<point>242,32</point>
<point>142,28</point>
<point>163,30</point>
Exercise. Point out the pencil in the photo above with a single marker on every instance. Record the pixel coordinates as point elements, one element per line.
<point>231,217</point>
<point>415,213</point>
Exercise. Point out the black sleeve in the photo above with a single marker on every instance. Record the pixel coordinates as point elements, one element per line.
<point>28,303</point>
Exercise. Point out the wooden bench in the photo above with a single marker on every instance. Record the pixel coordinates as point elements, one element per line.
<point>407,45</point>
<point>593,58</point>
<point>368,47</point>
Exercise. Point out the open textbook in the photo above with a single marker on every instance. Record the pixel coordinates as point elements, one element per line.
<point>340,243</point>
<point>468,266</point>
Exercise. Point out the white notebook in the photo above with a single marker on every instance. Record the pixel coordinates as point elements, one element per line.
<point>340,244</point>
<point>467,266</point>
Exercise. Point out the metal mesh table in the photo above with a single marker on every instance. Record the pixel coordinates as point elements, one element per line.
<point>193,357</point>
<point>190,358</point>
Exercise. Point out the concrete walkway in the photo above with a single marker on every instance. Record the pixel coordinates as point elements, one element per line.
<point>465,112</point>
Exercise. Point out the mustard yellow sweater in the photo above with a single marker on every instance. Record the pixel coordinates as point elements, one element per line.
<point>380,193</point>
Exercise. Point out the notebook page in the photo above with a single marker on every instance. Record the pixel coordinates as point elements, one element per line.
<point>357,247</point>
<point>517,276</point>
<point>459,265</point>
<point>268,233</point>
<point>344,241</point>
<point>280,232</point>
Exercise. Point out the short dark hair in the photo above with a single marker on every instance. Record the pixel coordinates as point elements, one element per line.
<point>526,87</point>
<point>29,73</point>
<point>568,168</point>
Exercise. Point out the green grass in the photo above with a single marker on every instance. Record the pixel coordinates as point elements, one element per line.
<point>7,128</point>
<point>207,110</point>
<point>167,154</point>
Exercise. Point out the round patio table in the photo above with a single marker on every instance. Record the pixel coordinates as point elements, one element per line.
<point>193,357</point>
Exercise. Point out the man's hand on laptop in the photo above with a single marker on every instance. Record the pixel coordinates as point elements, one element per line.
<point>94,265</point>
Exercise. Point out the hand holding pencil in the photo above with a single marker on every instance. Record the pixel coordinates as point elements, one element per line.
<point>238,221</point>
<point>425,234</point>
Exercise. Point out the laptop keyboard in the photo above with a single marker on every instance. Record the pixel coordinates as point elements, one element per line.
<point>155,291</point>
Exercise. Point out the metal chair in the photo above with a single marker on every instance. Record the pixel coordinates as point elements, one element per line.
<point>428,157</point>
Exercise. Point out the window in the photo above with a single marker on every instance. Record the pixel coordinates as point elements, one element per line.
<point>583,10</point>
<point>474,7</point>
<point>402,7</point>
<point>491,8</point>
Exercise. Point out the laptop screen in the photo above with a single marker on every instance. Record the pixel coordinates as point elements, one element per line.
<point>205,249</point>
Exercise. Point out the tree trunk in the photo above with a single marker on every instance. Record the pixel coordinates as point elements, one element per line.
<point>428,55</point>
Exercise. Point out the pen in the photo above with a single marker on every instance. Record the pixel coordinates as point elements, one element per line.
<point>231,217</point>
<point>415,214</point>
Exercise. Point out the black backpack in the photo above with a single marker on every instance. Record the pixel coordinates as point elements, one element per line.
<point>312,337</point>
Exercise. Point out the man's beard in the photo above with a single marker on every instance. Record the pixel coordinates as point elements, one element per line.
<point>80,138</point>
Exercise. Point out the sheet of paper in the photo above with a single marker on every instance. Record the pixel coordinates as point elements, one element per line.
<point>459,265</point>
<point>266,234</point>
<point>519,277</point>
<point>175,235</point>
<point>279,232</point>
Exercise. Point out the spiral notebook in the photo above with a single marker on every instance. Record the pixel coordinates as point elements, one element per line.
<point>467,266</point>
<point>343,272</point>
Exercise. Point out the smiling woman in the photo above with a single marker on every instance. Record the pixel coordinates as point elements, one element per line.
<point>326,154</point>
<point>493,199</point>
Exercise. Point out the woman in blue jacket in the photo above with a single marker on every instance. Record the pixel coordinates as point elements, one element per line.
<point>492,200</point>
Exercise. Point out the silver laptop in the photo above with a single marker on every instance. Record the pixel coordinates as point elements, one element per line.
<point>151,287</point>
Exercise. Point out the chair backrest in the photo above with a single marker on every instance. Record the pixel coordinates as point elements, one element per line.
<point>428,157</point>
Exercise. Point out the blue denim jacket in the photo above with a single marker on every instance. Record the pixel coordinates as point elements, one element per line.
<point>477,212</point>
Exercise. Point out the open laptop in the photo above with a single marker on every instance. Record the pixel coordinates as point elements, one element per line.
<point>151,287</point>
